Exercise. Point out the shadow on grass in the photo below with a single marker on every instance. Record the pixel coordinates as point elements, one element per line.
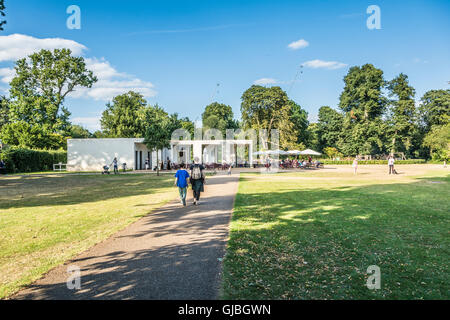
<point>32,191</point>
<point>318,243</point>
<point>181,262</point>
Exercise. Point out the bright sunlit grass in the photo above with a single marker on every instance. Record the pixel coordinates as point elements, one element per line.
<point>312,235</point>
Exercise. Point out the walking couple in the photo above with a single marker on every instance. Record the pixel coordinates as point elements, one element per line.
<point>197,180</point>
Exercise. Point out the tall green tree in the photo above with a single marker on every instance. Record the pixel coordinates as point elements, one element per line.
<point>363,103</point>
<point>402,115</point>
<point>99,134</point>
<point>218,116</point>
<point>438,140</point>
<point>362,95</point>
<point>37,94</point>
<point>187,125</point>
<point>299,119</point>
<point>158,129</point>
<point>435,108</point>
<point>313,136</point>
<point>78,132</point>
<point>2,14</point>
<point>269,108</point>
<point>329,126</point>
<point>4,111</point>
<point>22,134</point>
<point>124,117</point>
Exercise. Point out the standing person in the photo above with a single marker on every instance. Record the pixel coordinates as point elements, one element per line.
<point>391,164</point>
<point>147,164</point>
<point>268,164</point>
<point>197,179</point>
<point>2,167</point>
<point>168,164</point>
<point>181,182</point>
<point>355,165</point>
<point>115,164</point>
<point>229,170</point>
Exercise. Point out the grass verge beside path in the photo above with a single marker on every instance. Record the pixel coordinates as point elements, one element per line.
<point>45,221</point>
<point>312,235</point>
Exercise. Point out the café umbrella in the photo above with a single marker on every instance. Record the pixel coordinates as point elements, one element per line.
<point>309,152</point>
<point>257,153</point>
<point>279,152</point>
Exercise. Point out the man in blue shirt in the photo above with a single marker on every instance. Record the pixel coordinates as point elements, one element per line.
<point>181,182</point>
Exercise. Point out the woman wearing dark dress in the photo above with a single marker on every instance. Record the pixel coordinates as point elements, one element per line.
<point>197,179</point>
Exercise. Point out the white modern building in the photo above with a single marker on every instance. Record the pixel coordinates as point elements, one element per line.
<point>93,154</point>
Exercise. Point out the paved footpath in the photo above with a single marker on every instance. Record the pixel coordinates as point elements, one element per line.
<point>173,253</point>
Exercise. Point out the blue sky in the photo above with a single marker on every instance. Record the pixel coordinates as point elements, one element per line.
<point>176,52</point>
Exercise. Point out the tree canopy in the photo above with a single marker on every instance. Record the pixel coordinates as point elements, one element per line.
<point>219,116</point>
<point>78,132</point>
<point>158,129</point>
<point>402,116</point>
<point>300,123</point>
<point>363,103</point>
<point>4,111</point>
<point>435,108</point>
<point>438,140</point>
<point>37,94</point>
<point>124,116</point>
<point>362,96</point>
<point>329,127</point>
<point>269,108</point>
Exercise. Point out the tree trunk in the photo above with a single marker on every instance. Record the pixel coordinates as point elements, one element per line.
<point>393,143</point>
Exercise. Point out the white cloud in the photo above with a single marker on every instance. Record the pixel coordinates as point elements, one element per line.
<point>417,60</point>
<point>90,123</point>
<point>18,46</point>
<point>299,44</point>
<point>6,75</point>
<point>264,81</point>
<point>110,81</point>
<point>316,64</point>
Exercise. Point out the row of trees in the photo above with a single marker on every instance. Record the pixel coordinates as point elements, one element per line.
<point>374,116</point>
<point>370,122</point>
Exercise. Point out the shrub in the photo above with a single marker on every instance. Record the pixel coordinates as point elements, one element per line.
<point>29,160</point>
<point>362,162</point>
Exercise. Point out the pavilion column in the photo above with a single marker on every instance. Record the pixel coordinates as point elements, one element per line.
<point>172,147</point>
<point>223,144</point>
<point>197,145</point>
<point>216,153</point>
<point>250,154</point>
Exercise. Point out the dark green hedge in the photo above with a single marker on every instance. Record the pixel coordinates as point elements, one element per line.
<point>28,160</point>
<point>410,161</point>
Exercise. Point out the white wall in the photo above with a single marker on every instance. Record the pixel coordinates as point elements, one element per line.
<point>93,154</point>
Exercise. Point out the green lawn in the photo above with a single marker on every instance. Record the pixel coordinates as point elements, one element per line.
<point>44,221</point>
<point>312,235</point>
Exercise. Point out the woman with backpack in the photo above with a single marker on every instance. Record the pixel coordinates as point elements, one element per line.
<point>197,179</point>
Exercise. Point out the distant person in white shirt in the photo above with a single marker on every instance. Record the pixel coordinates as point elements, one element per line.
<point>391,165</point>
<point>355,165</point>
